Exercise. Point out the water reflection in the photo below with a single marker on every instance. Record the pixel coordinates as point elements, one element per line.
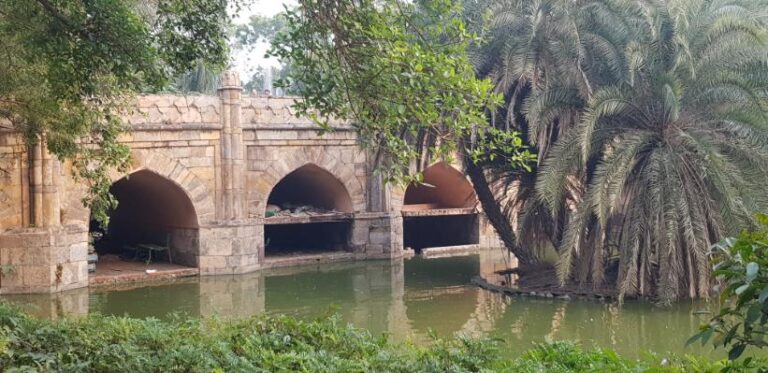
<point>406,299</point>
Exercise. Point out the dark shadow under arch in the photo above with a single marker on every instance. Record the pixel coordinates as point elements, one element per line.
<point>311,185</point>
<point>151,210</point>
<point>441,211</point>
<point>443,187</point>
<point>308,211</point>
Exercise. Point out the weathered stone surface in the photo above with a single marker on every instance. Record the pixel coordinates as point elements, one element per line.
<point>225,154</point>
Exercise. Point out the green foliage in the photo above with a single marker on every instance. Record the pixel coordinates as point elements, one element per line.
<point>279,344</point>
<point>741,264</point>
<point>561,357</point>
<point>397,70</point>
<point>259,29</point>
<point>259,81</point>
<point>68,69</point>
<point>261,344</point>
<point>202,79</point>
<point>674,154</point>
<point>7,269</point>
<point>502,147</point>
<point>650,122</point>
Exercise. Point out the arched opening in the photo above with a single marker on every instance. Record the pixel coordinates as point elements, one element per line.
<point>154,224</point>
<point>308,211</point>
<point>441,211</point>
<point>444,187</point>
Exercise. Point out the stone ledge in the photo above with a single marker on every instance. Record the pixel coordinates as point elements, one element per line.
<point>447,251</point>
<point>138,277</point>
<point>440,212</point>
<point>160,126</point>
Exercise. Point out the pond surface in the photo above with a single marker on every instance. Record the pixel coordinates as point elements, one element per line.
<point>404,298</point>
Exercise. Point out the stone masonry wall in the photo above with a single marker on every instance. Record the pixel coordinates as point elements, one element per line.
<point>225,153</point>
<point>230,248</point>
<point>14,181</point>
<point>43,260</point>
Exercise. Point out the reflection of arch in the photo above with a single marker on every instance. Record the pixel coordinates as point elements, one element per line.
<point>438,287</point>
<point>443,311</point>
<point>443,187</point>
<point>313,186</point>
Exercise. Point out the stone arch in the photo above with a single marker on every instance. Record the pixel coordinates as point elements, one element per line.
<point>343,173</point>
<point>321,189</point>
<point>444,187</point>
<point>172,170</point>
<point>441,212</point>
<point>312,185</point>
<point>161,202</point>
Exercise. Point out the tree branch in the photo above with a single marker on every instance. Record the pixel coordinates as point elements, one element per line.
<point>56,13</point>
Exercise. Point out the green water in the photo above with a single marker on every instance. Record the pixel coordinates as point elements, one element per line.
<point>406,299</point>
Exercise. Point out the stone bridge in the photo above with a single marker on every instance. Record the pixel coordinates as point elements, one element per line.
<point>233,184</point>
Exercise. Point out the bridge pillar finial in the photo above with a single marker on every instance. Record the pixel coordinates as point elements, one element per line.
<point>230,80</point>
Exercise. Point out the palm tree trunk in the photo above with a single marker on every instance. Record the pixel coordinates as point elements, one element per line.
<point>493,212</point>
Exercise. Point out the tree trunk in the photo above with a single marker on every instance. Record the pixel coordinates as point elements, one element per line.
<point>495,215</point>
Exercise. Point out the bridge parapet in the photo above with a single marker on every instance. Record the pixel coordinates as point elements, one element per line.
<point>277,112</point>
<point>173,110</point>
<point>202,111</point>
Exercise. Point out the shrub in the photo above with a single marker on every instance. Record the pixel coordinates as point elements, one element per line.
<point>742,266</point>
<point>276,344</point>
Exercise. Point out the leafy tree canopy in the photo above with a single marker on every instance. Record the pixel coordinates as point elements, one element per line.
<point>259,29</point>
<point>398,71</point>
<point>67,68</point>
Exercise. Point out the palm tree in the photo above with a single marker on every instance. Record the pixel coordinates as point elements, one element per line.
<point>546,57</point>
<point>671,156</point>
<point>202,79</point>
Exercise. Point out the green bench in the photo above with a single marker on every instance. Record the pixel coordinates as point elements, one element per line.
<point>155,245</point>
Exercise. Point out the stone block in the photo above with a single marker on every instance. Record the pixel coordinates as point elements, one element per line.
<point>241,260</point>
<point>360,233</point>
<point>205,143</point>
<point>380,238</point>
<point>40,276</point>
<point>35,239</point>
<point>78,252</point>
<point>12,279</point>
<point>373,249</point>
<point>240,246</point>
<point>212,262</point>
<point>199,162</point>
<point>216,246</point>
<point>198,151</point>
<point>181,152</point>
<point>209,135</point>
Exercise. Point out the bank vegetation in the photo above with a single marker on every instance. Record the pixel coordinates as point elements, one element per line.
<point>281,344</point>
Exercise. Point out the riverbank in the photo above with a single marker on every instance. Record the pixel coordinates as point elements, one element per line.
<point>117,344</point>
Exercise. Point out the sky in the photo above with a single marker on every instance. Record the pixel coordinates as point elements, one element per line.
<point>245,62</point>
